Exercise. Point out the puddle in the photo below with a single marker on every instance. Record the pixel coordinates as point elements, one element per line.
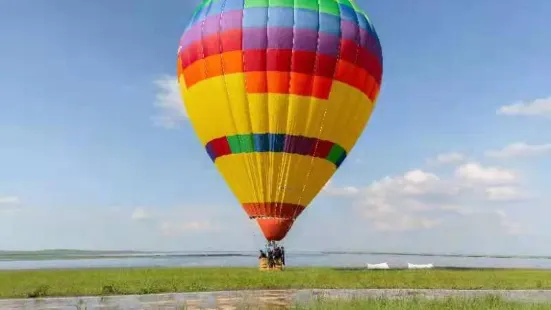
<point>260,299</point>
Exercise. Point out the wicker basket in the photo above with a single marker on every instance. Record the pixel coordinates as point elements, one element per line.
<point>264,266</point>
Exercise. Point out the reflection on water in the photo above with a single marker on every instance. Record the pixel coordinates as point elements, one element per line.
<point>319,259</point>
<point>251,299</point>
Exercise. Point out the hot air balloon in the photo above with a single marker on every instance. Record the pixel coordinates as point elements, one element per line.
<point>278,92</point>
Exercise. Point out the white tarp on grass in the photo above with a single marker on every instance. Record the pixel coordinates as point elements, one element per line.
<point>378,266</point>
<point>420,266</point>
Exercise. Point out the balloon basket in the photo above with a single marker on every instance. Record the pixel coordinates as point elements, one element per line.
<point>263,265</point>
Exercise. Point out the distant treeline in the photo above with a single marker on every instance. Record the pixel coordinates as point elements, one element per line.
<point>90,254</point>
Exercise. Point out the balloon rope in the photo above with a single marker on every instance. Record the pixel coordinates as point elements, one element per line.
<point>269,166</point>
<point>249,161</point>
<point>305,185</point>
<point>283,176</point>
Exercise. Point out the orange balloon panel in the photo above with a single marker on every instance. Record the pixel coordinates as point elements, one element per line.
<point>278,92</point>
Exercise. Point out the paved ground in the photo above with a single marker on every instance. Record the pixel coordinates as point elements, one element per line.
<point>249,299</point>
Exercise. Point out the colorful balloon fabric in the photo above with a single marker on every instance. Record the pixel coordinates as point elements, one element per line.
<point>278,92</point>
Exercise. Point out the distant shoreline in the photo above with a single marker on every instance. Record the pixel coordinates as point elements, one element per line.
<point>88,254</point>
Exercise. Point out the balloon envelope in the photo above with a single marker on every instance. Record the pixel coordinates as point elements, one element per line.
<point>278,93</point>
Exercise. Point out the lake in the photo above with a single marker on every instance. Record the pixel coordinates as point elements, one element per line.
<point>293,259</point>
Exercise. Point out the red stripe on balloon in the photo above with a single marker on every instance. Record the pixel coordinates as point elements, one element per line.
<point>267,71</point>
<point>282,82</point>
<point>274,218</point>
<point>231,40</point>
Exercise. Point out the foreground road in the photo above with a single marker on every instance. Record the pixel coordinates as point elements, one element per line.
<point>253,299</point>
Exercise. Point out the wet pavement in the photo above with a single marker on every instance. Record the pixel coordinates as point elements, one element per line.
<point>251,299</point>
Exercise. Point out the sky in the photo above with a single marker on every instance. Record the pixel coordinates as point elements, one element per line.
<point>96,151</point>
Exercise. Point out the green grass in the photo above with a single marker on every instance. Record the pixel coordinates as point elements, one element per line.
<point>80,282</point>
<point>483,303</point>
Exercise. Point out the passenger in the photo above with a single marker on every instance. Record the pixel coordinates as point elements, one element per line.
<point>262,255</point>
<point>270,258</point>
<point>283,256</point>
<point>277,254</point>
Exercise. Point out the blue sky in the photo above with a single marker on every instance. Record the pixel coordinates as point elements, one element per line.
<point>96,153</point>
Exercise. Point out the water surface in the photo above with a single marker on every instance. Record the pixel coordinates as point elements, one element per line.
<point>249,259</point>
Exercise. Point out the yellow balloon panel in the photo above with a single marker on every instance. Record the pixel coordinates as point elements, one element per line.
<point>275,177</point>
<point>220,106</point>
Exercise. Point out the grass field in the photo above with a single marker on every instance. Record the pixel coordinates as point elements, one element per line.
<point>41,283</point>
<point>486,303</point>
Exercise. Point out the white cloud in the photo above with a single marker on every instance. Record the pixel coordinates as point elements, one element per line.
<point>396,203</point>
<point>447,158</point>
<point>9,200</point>
<point>538,107</point>
<point>168,101</point>
<point>420,177</point>
<point>504,193</point>
<point>476,173</point>
<point>10,204</point>
<point>140,214</point>
<point>421,200</point>
<point>345,191</point>
<point>520,149</point>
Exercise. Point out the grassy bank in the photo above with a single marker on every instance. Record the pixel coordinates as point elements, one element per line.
<point>159,280</point>
<point>486,303</point>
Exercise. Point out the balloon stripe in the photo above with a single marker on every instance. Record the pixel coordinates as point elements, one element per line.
<point>254,41</point>
<point>222,23</point>
<point>276,143</point>
<point>303,62</point>
<point>330,7</point>
<point>208,111</point>
<point>319,87</point>
<point>274,218</point>
<point>342,11</point>
<point>278,83</point>
<point>272,209</point>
